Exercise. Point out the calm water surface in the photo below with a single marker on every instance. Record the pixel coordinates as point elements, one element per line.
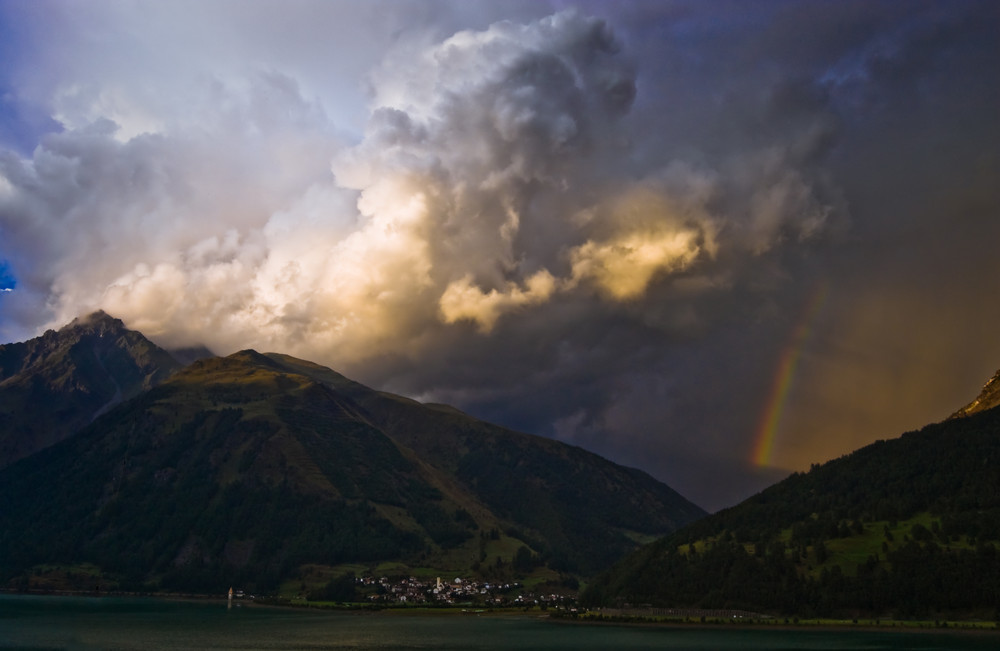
<point>32,622</point>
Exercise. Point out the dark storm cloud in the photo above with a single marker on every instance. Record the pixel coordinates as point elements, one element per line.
<point>593,221</point>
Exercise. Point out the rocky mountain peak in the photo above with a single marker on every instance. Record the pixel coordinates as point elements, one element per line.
<point>988,398</point>
<point>53,385</point>
<point>99,322</point>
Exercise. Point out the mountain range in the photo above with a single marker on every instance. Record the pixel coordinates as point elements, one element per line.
<point>128,469</point>
<point>127,466</point>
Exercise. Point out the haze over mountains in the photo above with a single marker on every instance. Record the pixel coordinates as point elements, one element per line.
<point>250,467</point>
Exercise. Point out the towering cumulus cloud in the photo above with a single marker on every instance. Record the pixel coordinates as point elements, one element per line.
<point>511,222</point>
<point>492,179</point>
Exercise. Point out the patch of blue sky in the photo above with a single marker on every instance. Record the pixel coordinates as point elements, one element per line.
<point>22,125</point>
<point>7,280</point>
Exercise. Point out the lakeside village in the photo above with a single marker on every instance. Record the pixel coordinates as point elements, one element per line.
<point>411,590</point>
<point>401,590</point>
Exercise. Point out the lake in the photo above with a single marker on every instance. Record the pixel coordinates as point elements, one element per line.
<point>120,623</point>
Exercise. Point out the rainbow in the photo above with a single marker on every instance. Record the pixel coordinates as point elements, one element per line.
<point>767,430</point>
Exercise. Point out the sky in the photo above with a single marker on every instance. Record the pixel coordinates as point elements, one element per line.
<point>716,240</point>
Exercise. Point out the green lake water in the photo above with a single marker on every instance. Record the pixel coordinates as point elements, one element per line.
<point>36,622</point>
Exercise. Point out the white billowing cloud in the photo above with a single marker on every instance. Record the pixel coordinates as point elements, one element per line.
<point>624,267</point>
<point>77,106</point>
<point>135,62</point>
<point>634,238</point>
<point>491,180</point>
<point>92,216</point>
<point>657,227</point>
<point>463,300</point>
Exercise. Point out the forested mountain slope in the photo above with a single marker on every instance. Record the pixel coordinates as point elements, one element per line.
<point>908,526</point>
<point>578,500</point>
<point>251,468</point>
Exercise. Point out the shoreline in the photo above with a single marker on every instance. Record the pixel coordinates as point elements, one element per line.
<point>594,618</point>
<point>975,626</point>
